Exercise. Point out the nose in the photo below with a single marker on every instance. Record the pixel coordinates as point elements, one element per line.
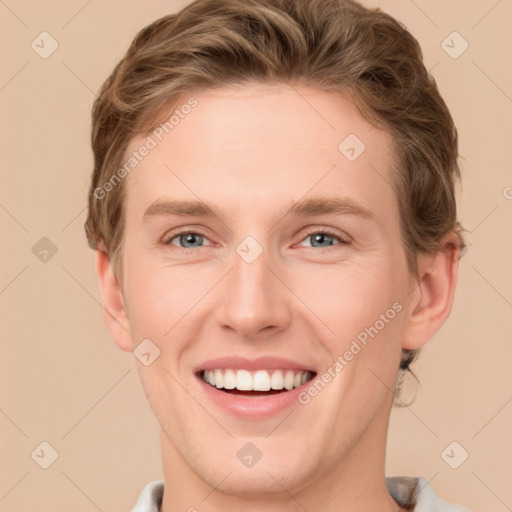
<point>255,301</point>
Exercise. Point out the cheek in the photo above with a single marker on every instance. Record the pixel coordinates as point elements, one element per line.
<point>162,298</point>
<point>349,298</point>
<point>362,306</point>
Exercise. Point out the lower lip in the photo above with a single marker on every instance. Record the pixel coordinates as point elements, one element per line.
<point>253,407</point>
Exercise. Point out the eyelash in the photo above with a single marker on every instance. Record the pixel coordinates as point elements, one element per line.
<point>314,231</point>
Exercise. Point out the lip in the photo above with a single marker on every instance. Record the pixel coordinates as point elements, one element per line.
<point>258,363</point>
<point>256,407</point>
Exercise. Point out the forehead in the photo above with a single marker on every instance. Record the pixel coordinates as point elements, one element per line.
<point>255,146</point>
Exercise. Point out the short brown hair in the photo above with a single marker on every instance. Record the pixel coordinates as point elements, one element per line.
<point>332,45</point>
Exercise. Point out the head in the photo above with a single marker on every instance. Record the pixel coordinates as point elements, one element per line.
<point>249,108</point>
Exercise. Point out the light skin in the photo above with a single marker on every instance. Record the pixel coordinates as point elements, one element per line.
<point>250,152</point>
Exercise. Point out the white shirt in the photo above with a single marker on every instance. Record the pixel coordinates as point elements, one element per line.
<point>404,490</point>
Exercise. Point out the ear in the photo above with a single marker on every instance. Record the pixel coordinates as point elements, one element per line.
<point>114,307</point>
<point>432,298</point>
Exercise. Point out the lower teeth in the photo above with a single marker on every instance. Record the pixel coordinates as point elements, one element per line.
<point>254,393</point>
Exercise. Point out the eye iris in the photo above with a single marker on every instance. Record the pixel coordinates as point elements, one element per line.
<point>321,238</point>
<point>191,238</point>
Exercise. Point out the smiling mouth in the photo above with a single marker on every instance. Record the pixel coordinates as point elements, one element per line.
<point>255,383</point>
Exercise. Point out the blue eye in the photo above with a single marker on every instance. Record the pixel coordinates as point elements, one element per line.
<point>325,238</point>
<point>321,239</point>
<point>187,240</point>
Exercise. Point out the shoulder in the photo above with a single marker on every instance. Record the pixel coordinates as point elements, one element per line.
<point>417,492</point>
<point>150,498</point>
<point>406,491</point>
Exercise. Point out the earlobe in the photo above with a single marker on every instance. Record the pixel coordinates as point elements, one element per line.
<point>432,298</point>
<point>114,307</point>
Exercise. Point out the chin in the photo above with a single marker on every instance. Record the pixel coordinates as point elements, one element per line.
<point>266,478</point>
<point>258,485</point>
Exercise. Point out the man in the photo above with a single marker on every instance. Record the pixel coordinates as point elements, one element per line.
<point>273,211</point>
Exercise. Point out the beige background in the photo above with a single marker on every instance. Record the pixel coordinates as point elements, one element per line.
<point>63,381</point>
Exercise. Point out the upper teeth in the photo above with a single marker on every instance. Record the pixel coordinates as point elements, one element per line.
<point>261,380</point>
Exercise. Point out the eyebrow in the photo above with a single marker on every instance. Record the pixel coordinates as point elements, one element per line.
<point>161,207</point>
<point>304,208</point>
<point>328,205</point>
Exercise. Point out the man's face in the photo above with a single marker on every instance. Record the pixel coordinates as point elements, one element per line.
<point>265,289</point>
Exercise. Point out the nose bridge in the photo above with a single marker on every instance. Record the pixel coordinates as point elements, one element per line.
<point>254,298</point>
